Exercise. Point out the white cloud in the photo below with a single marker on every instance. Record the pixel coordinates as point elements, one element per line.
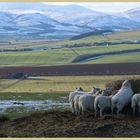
<point>108,7</point>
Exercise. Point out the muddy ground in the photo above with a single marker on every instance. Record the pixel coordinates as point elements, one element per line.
<point>65,124</point>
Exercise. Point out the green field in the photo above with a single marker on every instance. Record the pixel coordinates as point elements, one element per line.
<point>67,55</point>
<point>54,88</point>
<point>116,59</point>
<point>61,56</point>
<point>55,84</point>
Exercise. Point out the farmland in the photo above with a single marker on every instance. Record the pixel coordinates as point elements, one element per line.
<point>44,95</point>
<point>60,56</point>
<point>64,55</point>
<point>56,84</point>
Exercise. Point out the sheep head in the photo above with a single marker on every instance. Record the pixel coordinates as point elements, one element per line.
<point>126,83</point>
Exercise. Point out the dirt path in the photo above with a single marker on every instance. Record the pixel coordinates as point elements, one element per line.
<point>65,124</point>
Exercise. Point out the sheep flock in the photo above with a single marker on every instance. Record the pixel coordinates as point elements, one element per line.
<point>105,101</point>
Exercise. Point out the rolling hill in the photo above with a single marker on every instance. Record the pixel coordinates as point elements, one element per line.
<point>38,20</point>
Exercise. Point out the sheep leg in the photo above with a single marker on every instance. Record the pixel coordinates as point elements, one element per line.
<point>134,109</point>
<point>118,111</point>
<point>83,110</point>
<point>101,113</point>
<point>72,107</point>
<point>77,111</point>
<point>112,110</point>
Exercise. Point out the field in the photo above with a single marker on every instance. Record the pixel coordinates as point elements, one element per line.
<point>38,106</point>
<point>67,55</point>
<point>53,92</point>
<point>64,124</point>
<point>60,56</point>
<point>46,89</point>
<point>56,84</point>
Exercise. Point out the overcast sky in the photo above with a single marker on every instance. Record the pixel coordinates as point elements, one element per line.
<point>108,7</point>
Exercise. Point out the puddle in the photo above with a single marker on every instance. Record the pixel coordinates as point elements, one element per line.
<point>32,105</point>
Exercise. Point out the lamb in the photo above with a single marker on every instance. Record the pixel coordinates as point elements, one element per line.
<point>135,103</point>
<point>123,97</point>
<point>86,103</point>
<point>102,103</point>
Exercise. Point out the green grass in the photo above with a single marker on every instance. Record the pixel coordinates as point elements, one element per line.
<point>53,84</point>
<point>55,88</point>
<point>57,56</point>
<point>116,59</point>
<point>67,55</point>
<point>114,37</point>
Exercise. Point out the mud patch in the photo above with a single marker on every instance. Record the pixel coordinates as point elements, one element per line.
<point>65,124</point>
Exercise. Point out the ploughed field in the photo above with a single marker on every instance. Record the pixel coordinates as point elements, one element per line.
<point>65,124</point>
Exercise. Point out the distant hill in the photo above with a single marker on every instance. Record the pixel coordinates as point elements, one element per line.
<point>133,14</point>
<point>95,32</point>
<point>38,20</point>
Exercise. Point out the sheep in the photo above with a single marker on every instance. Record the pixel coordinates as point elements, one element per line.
<point>135,103</point>
<point>108,91</point>
<point>76,104</point>
<point>78,91</point>
<point>86,103</point>
<point>123,97</point>
<point>102,103</point>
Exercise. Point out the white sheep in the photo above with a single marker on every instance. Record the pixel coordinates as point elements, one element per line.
<point>101,104</point>
<point>78,91</point>
<point>123,97</point>
<point>76,104</point>
<point>107,92</point>
<point>86,103</point>
<point>135,103</point>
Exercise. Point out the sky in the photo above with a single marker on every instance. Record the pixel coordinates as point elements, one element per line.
<point>107,7</point>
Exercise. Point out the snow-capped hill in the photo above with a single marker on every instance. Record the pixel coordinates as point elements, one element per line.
<point>37,24</point>
<point>133,14</point>
<point>113,23</point>
<point>34,19</point>
<point>72,14</point>
<point>6,19</point>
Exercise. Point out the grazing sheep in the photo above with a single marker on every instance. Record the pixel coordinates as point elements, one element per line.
<point>135,104</point>
<point>101,104</point>
<point>78,91</point>
<point>123,97</point>
<point>76,104</point>
<point>86,103</point>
